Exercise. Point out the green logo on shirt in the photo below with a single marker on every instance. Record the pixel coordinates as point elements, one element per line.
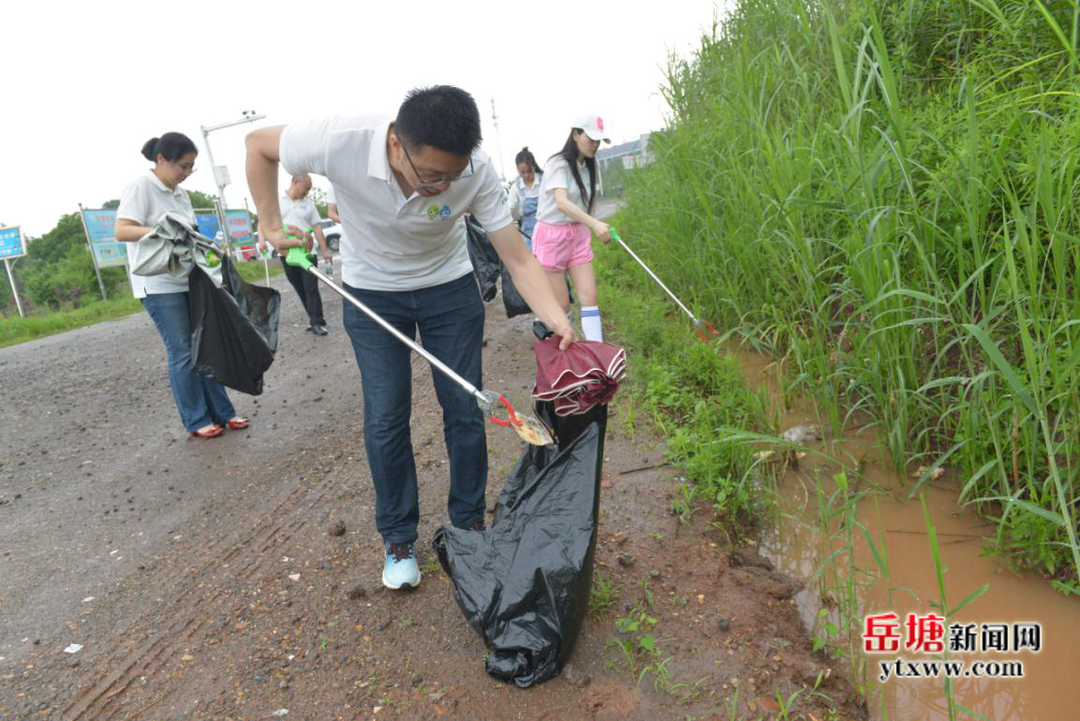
<point>434,212</point>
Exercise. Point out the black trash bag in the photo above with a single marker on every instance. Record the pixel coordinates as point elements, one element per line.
<point>487,267</point>
<point>524,583</point>
<point>233,328</point>
<point>512,300</point>
<point>485,260</point>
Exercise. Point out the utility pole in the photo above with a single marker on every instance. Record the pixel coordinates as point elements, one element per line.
<point>221,172</point>
<point>498,140</point>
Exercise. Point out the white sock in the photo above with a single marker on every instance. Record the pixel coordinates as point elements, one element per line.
<point>590,322</point>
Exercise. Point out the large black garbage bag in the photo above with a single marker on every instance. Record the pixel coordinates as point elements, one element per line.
<point>233,328</point>
<point>524,583</point>
<point>512,300</point>
<point>485,260</point>
<point>487,266</point>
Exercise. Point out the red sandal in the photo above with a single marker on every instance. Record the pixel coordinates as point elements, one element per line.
<point>238,424</point>
<point>213,432</point>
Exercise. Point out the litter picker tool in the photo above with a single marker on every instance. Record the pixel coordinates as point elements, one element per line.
<point>698,322</point>
<point>530,429</point>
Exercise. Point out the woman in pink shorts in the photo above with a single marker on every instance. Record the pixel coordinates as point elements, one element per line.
<point>561,240</point>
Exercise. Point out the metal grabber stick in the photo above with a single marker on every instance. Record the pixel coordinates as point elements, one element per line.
<point>698,322</point>
<point>530,429</point>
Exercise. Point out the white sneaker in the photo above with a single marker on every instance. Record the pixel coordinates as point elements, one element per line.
<point>401,569</point>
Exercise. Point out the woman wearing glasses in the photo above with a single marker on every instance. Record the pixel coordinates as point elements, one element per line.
<point>562,241</point>
<point>203,404</point>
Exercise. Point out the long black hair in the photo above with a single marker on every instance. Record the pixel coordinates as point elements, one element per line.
<point>171,146</point>
<point>526,156</point>
<point>571,154</point>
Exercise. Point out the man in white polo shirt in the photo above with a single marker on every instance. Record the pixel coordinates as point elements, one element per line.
<point>402,185</point>
<point>298,210</point>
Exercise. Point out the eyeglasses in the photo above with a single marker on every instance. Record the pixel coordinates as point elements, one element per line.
<point>442,180</point>
<point>186,167</point>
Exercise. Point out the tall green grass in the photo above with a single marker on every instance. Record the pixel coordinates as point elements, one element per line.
<point>884,194</point>
<point>942,605</point>
<point>690,392</point>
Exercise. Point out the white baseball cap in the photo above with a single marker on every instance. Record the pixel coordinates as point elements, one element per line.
<point>593,125</point>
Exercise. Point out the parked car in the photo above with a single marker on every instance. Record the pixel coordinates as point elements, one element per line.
<point>333,232</point>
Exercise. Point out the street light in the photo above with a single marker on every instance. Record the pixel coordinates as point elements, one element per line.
<point>221,172</point>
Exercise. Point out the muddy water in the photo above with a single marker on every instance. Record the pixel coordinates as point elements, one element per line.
<point>1047,690</point>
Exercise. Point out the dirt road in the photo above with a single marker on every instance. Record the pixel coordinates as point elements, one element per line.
<point>200,579</point>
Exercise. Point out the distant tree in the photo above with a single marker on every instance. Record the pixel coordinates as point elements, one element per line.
<point>201,200</point>
<point>58,242</point>
<point>63,284</point>
<point>318,196</point>
<point>7,303</point>
<point>58,270</point>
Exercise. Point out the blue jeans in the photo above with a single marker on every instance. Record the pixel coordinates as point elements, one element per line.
<point>201,401</point>
<point>450,318</point>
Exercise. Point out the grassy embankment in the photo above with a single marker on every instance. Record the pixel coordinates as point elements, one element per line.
<point>887,202</point>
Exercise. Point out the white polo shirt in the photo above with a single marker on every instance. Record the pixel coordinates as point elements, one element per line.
<point>557,175</point>
<point>519,192</point>
<point>301,213</point>
<point>392,242</point>
<point>145,201</point>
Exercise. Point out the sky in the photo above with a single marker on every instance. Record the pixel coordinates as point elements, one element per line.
<point>87,84</point>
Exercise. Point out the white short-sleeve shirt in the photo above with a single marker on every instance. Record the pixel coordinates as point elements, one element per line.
<point>301,213</point>
<point>331,200</point>
<point>519,191</point>
<point>145,201</point>
<point>392,242</point>
<point>557,175</point>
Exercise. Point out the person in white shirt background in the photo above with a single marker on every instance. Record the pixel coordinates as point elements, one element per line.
<point>298,210</point>
<point>204,405</point>
<point>402,185</point>
<point>334,215</point>
<point>525,193</point>
<point>561,240</point>
<point>331,207</point>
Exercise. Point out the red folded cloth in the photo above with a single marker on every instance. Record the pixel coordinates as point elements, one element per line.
<point>585,374</point>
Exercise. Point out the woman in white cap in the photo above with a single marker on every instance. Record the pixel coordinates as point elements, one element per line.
<point>561,240</point>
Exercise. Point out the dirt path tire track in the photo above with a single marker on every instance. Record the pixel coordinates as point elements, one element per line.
<point>247,555</point>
